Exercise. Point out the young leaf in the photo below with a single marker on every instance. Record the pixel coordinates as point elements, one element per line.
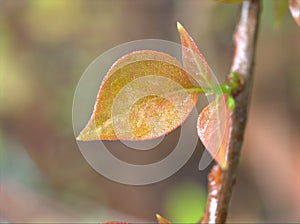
<point>162,220</point>
<point>214,127</point>
<point>294,6</point>
<point>141,97</point>
<point>193,61</point>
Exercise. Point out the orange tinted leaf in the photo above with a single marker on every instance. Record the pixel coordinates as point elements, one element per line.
<point>214,127</point>
<point>162,220</point>
<point>294,6</point>
<point>193,61</point>
<point>141,97</point>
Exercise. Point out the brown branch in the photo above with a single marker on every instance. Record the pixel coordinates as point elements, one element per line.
<point>243,63</point>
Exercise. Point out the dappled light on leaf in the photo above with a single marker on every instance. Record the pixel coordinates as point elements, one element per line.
<point>214,126</point>
<point>193,61</point>
<point>152,115</point>
<point>143,96</point>
<point>294,6</point>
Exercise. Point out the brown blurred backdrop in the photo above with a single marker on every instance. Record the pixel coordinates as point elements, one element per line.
<point>45,45</point>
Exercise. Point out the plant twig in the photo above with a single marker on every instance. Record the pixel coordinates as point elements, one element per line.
<point>243,63</point>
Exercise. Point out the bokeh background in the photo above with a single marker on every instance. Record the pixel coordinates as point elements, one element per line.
<point>45,46</point>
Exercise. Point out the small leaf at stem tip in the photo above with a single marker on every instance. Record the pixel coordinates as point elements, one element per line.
<point>162,220</point>
<point>193,61</point>
<point>231,103</point>
<point>234,76</point>
<point>214,128</point>
<point>233,84</point>
<point>143,96</point>
<point>294,6</point>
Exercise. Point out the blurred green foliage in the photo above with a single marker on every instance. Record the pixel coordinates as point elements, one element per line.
<point>185,202</point>
<point>16,165</point>
<point>280,12</point>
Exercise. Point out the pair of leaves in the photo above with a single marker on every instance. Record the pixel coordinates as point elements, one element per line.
<point>145,95</point>
<point>214,122</point>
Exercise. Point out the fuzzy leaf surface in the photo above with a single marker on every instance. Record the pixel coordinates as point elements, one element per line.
<point>214,128</point>
<point>193,61</point>
<point>141,97</point>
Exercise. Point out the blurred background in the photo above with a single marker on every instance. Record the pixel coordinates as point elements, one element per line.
<point>45,46</point>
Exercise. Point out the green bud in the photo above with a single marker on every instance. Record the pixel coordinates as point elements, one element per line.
<point>231,103</point>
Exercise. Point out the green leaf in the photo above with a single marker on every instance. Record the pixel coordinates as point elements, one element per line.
<point>294,6</point>
<point>193,61</point>
<point>142,97</point>
<point>214,128</point>
<point>231,103</point>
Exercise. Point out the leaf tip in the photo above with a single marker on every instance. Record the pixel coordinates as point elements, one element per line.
<point>179,26</point>
<point>223,164</point>
<point>79,137</point>
<point>89,133</point>
<point>158,217</point>
<point>161,220</point>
